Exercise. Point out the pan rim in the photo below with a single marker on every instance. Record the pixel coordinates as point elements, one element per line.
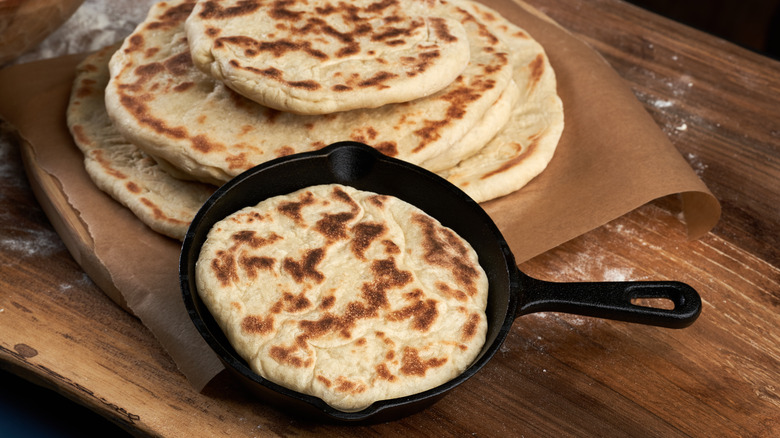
<point>238,365</point>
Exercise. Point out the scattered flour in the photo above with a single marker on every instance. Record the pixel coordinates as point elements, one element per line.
<point>698,166</point>
<point>594,266</point>
<point>617,274</point>
<point>15,240</point>
<point>83,281</point>
<point>680,86</point>
<point>27,243</point>
<point>673,91</point>
<point>662,103</point>
<point>94,25</point>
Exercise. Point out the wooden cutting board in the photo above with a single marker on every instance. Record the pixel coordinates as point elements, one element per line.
<point>68,224</point>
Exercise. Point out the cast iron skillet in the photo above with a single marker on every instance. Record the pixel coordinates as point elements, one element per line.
<point>511,293</point>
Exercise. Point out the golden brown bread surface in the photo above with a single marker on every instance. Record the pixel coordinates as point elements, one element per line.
<point>346,295</point>
<point>133,178</point>
<point>491,131</point>
<point>526,144</point>
<point>320,56</point>
<point>166,106</point>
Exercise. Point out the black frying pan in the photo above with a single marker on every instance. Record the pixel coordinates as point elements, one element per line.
<point>511,293</point>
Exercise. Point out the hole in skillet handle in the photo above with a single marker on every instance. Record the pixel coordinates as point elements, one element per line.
<point>614,300</point>
<point>364,168</point>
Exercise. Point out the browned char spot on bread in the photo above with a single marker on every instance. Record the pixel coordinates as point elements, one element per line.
<point>445,249</point>
<point>413,364</point>
<point>212,10</point>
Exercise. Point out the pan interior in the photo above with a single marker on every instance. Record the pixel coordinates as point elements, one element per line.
<point>364,168</point>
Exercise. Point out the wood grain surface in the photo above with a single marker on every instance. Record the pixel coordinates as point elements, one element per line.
<point>556,375</point>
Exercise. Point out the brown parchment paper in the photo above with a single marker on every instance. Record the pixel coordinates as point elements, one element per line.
<point>612,158</point>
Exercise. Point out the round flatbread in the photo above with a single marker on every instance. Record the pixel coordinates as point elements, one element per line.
<point>323,56</point>
<point>162,103</point>
<point>527,142</point>
<point>346,295</point>
<point>167,205</point>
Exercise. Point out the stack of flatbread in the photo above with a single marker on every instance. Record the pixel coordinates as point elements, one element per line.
<point>204,90</point>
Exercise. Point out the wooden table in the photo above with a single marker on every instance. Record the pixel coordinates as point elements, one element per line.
<point>556,375</point>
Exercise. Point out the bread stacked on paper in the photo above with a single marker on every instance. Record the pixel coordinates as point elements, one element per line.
<point>204,90</point>
<point>165,203</point>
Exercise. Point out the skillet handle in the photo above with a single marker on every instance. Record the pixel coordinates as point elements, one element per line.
<point>613,300</point>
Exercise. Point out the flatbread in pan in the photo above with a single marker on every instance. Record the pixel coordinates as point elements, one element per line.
<point>511,292</point>
<point>345,294</point>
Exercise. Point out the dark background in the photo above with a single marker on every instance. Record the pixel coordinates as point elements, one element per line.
<point>752,24</point>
